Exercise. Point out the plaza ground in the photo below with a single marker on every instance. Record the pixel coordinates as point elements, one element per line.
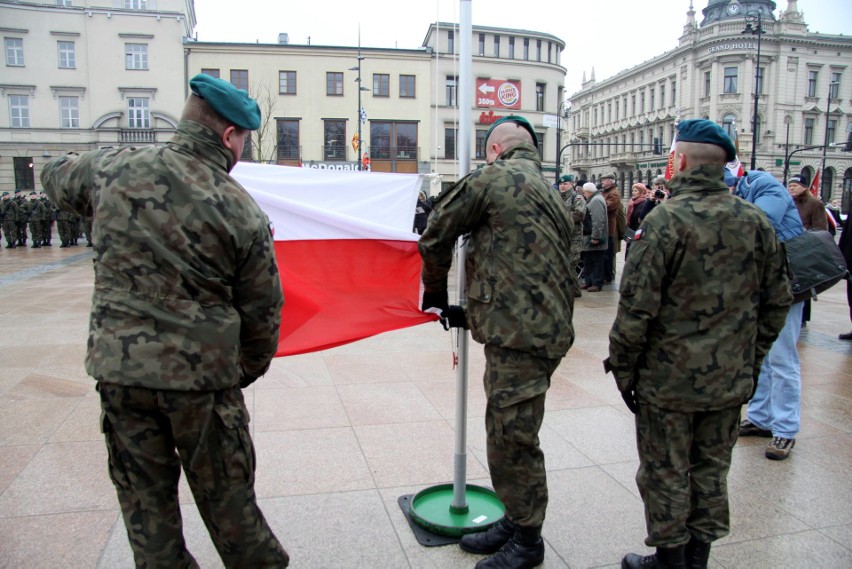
<point>342,434</point>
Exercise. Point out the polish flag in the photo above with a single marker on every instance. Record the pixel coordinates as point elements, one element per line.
<point>814,187</point>
<point>346,251</point>
<point>735,167</point>
<point>670,162</point>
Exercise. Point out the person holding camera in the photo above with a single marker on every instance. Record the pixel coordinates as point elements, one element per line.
<point>658,194</point>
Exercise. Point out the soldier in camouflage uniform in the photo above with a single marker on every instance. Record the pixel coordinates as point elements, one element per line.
<point>520,293</point>
<point>22,217</point>
<point>703,295</point>
<point>575,203</point>
<point>38,214</point>
<point>8,214</point>
<point>65,225</point>
<point>186,311</point>
<point>50,213</point>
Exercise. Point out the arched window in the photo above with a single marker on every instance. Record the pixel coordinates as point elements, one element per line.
<point>827,185</point>
<point>630,179</point>
<point>846,199</point>
<point>807,175</point>
<point>650,177</point>
<point>621,177</point>
<point>639,176</point>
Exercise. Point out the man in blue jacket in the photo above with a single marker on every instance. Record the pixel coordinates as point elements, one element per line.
<point>775,409</point>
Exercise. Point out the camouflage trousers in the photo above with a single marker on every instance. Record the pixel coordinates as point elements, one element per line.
<point>684,460</point>
<point>516,384</point>
<point>10,231</point>
<point>150,434</point>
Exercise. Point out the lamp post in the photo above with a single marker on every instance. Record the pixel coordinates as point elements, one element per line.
<point>559,112</point>
<point>361,115</point>
<point>754,26</point>
<point>825,138</point>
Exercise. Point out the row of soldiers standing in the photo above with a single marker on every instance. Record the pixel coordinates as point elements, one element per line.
<point>36,211</point>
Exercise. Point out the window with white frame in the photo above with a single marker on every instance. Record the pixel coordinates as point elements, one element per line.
<point>67,54</point>
<point>136,56</point>
<point>69,112</point>
<point>136,4</point>
<point>63,2</point>
<point>14,51</point>
<point>19,111</point>
<point>813,77</point>
<point>730,82</point>
<point>286,82</point>
<point>138,115</point>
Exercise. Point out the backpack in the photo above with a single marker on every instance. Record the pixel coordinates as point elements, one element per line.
<point>815,263</point>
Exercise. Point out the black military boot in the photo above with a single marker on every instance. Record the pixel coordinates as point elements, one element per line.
<point>64,245</point>
<point>11,245</point>
<point>664,558</point>
<point>35,245</point>
<point>490,540</point>
<point>524,550</point>
<point>697,553</point>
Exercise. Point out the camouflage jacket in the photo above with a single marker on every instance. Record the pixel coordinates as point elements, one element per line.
<point>703,296</point>
<point>519,276</point>
<point>8,210</point>
<point>575,204</point>
<point>187,293</point>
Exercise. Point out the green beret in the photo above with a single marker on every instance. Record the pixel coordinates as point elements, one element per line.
<point>706,132</point>
<point>232,104</point>
<point>520,121</point>
<point>566,178</point>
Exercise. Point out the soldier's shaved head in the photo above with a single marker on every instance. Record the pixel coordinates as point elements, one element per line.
<point>505,136</point>
<point>700,154</point>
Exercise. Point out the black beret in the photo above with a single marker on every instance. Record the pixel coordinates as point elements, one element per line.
<point>706,132</point>
<point>232,104</point>
<point>796,180</point>
<point>520,121</point>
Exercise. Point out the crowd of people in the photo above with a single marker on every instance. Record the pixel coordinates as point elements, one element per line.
<point>20,211</point>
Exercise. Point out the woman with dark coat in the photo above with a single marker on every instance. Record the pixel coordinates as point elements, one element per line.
<point>421,213</point>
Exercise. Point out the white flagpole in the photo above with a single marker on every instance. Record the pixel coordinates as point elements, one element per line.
<point>465,99</point>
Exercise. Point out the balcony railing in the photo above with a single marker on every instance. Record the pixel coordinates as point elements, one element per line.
<point>137,136</point>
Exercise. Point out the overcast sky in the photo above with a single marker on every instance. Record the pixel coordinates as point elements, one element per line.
<point>609,35</point>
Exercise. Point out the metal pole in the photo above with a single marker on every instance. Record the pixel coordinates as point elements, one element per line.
<point>754,133</point>
<point>558,143</point>
<point>465,99</point>
<point>825,138</point>
<point>787,153</point>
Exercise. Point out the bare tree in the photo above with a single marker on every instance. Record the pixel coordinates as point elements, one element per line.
<point>263,140</point>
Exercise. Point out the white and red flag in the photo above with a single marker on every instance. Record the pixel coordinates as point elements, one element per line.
<point>814,187</point>
<point>346,252</point>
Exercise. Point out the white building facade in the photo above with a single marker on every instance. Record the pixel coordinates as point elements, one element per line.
<point>625,124</point>
<point>85,74</point>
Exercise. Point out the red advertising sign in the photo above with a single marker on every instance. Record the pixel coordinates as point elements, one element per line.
<point>498,93</point>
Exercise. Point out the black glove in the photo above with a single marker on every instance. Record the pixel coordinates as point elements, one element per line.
<point>435,300</point>
<point>629,396</point>
<point>455,317</point>
<point>246,379</point>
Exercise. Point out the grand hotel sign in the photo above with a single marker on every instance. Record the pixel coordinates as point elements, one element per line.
<point>732,46</point>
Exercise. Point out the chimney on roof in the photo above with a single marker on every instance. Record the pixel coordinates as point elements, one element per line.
<point>284,39</point>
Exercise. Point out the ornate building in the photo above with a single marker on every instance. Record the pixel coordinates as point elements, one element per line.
<point>800,87</point>
<point>83,74</point>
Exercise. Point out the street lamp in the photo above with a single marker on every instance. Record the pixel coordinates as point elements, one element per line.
<point>559,111</point>
<point>825,138</point>
<point>361,115</point>
<point>754,26</point>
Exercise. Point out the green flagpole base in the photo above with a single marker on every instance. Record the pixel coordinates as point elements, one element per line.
<point>433,510</point>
